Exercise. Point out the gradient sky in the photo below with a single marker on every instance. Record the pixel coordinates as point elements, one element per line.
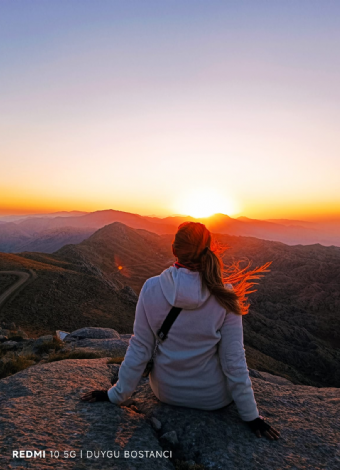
<point>153,106</point>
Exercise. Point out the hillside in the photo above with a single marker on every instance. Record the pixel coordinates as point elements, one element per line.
<point>64,296</point>
<point>125,255</point>
<point>292,329</point>
<point>294,316</point>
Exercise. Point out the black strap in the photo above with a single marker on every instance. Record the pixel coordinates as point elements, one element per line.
<point>167,323</point>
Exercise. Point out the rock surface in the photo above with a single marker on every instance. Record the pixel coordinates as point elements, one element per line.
<point>103,347</point>
<point>93,332</point>
<point>41,410</point>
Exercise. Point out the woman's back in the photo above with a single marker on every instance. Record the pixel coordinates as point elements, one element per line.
<point>202,363</point>
<point>186,370</point>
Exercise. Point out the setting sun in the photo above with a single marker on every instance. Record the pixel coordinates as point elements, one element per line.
<point>204,203</point>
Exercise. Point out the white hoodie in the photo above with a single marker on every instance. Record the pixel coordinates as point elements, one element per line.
<point>201,364</point>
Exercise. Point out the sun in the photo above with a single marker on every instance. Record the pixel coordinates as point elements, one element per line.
<point>204,203</point>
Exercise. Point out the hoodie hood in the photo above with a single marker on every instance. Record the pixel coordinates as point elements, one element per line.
<point>183,288</point>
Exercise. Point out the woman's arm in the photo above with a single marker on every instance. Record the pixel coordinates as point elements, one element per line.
<point>234,365</point>
<point>137,355</point>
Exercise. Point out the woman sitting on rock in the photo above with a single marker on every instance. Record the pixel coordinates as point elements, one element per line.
<point>202,363</point>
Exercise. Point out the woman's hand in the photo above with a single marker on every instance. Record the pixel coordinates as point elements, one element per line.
<point>101,395</point>
<point>261,428</point>
<point>95,395</point>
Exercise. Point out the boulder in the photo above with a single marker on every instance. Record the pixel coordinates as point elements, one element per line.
<point>156,423</point>
<point>169,438</point>
<point>62,334</point>
<point>41,410</point>
<point>92,333</point>
<point>43,339</point>
<point>125,337</point>
<point>104,347</point>
<point>9,345</point>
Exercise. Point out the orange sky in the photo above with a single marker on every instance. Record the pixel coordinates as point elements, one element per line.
<point>217,108</point>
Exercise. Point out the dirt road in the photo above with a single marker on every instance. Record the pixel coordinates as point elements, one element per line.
<point>24,278</point>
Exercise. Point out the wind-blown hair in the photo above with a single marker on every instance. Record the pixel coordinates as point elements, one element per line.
<point>195,248</point>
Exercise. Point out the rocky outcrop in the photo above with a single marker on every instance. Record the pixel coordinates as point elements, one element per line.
<point>47,415</point>
<point>92,332</point>
<point>102,347</point>
<point>105,342</point>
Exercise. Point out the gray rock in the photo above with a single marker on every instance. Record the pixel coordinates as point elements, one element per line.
<point>104,347</point>
<point>9,345</point>
<point>47,414</point>
<point>93,333</point>
<point>156,423</point>
<point>125,337</point>
<point>42,339</point>
<point>219,439</point>
<point>170,437</point>
<point>62,334</point>
<point>31,346</point>
<point>41,409</point>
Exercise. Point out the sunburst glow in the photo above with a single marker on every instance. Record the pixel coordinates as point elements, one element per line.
<point>204,203</point>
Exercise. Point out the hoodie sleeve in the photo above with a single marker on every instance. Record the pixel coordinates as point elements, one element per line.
<point>234,365</point>
<point>139,352</point>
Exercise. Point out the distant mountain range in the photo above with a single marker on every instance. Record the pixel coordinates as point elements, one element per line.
<point>292,330</point>
<point>50,232</point>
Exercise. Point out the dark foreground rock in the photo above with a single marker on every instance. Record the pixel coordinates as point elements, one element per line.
<point>41,410</point>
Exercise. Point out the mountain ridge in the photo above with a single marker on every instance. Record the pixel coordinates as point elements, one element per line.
<point>46,233</point>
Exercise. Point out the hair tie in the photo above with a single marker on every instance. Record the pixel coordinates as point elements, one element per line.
<point>204,251</point>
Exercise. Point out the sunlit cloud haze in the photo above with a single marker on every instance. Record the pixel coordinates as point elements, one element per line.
<point>148,107</point>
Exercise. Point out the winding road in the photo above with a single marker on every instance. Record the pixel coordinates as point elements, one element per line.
<point>24,279</point>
